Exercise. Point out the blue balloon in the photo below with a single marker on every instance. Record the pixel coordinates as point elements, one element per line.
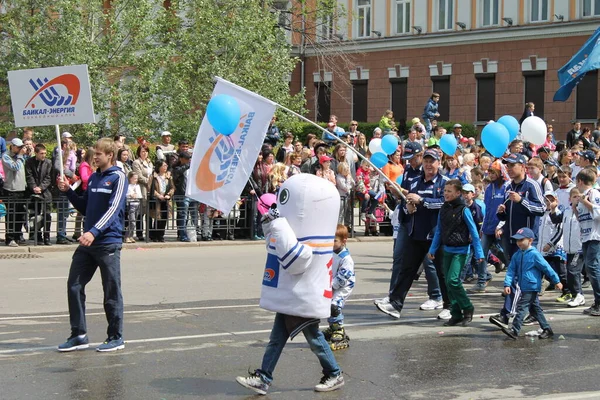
<point>379,160</point>
<point>389,144</point>
<point>399,179</point>
<point>495,138</point>
<point>223,113</point>
<point>448,144</point>
<point>511,124</point>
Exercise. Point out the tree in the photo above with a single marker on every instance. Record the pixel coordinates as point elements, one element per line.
<point>151,62</point>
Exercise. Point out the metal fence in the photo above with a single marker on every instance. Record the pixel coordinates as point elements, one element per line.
<point>31,220</point>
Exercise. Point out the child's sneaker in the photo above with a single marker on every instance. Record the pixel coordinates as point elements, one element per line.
<point>546,334</point>
<point>253,382</point>
<point>330,383</point>
<point>564,298</point>
<point>579,300</point>
<point>510,333</point>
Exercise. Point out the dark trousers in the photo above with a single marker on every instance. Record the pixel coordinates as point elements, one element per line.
<point>415,251</point>
<point>560,267</point>
<point>528,301</point>
<point>15,215</point>
<point>510,249</point>
<point>574,268</point>
<point>40,210</point>
<point>159,224</point>
<point>83,266</point>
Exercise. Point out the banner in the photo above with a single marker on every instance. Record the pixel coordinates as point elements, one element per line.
<point>51,96</point>
<point>221,165</point>
<point>585,60</point>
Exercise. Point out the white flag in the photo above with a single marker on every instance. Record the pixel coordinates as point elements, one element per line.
<point>221,165</point>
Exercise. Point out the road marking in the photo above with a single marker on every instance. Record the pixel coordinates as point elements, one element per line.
<point>42,278</point>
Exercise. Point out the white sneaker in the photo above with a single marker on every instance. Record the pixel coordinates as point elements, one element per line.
<point>432,305</point>
<point>579,300</point>
<point>329,384</point>
<point>12,243</point>
<point>388,309</point>
<point>385,300</point>
<point>445,314</point>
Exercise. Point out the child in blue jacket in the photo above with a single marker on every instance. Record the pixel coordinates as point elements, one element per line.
<point>526,269</point>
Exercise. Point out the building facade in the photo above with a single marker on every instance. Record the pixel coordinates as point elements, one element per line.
<point>486,58</point>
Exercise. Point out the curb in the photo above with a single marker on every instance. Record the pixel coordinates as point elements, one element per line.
<point>171,245</point>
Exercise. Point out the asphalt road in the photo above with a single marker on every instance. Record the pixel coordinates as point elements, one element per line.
<point>192,324</point>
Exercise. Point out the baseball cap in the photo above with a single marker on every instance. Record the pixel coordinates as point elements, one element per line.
<point>185,154</point>
<point>345,134</point>
<point>66,135</point>
<point>415,120</point>
<point>165,133</point>
<point>411,149</point>
<point>432,153</point>
<point>322,159</point>
<point>588,155</point>
<point>468,188</point>
<point>524,233</point>
<point>17,142</point>
<point>550,193</point>
<point>457,126</point>
<point>515,158</point>
<point>551,161</point>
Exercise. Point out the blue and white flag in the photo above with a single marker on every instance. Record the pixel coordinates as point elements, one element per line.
<point>585,60</point>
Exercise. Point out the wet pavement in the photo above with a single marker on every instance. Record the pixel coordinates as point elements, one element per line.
<point>192,324</point>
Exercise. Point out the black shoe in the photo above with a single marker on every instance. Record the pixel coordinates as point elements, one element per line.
<point>230,237</point>
<point>530,320</point>
<point>468,317</point>
<point>375,233</point>
<point>453,322</point>
<point>546,334</point>
<point>47,242</point>
<point>499,320</point>
<point>62,240</point>
<point>76,237</point>
<point>140,239</point>
<point>510,333</point>
<point>499,267</point>
<point>22,242</point>
<point>366,233</point>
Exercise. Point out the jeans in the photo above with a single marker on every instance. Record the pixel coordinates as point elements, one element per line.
<point>62,208</point>
<point>529,301</point>
<point>133,209</point>
<point>459,301</point>
<point>369,206</point>
<point>560,268</point>
<point>83,266</point>
<point>187,209</point>
<point>574,267</point>
<point>487,241</point>
<point>314,338</point>
<point>415,251</point>
<point>591,257</point>
<point>433,283</point>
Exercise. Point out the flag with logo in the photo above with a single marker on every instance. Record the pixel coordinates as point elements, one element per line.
<point>585,60</point>
<point>221,165</point>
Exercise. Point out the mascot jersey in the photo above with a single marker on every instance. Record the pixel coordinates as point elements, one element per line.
<point>298,273</point>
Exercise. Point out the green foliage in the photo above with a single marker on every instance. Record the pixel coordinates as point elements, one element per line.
<point>151,68</point>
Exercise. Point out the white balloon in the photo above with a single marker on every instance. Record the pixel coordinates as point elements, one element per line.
<point>534,130</point>
<point>375,146</point>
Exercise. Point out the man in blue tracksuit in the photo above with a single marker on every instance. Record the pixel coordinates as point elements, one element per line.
<point>103,205</point>
<point>522,207</point>
<point>424,202</point>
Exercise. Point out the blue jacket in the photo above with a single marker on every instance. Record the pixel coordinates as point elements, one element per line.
<point>2,146</point>
<point>526,269</point>
<point>422,223</point>
<point>103,205</point>
<point>431,108</point>
<point>526,212</point>
<point>473,230</point>
<point>493,197</point>
<point>410,174</point>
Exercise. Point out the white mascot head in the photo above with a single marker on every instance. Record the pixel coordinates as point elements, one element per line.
<point>310,204</point>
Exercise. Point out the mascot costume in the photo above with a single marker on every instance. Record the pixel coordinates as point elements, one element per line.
<point>299,232</point>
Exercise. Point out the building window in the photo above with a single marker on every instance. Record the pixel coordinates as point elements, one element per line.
<point>364,18</point>
<point>587,97</point>
<point>360,96</point>
<point>327,27</point>
<point>441,85</point>
<point>486,97</point>
<point>534,90</point>
<point>323,96</point>
<point>399,88</point>
<point>445,14</point>
<point>590,8</point>
<point>489,12</point>
<point>403,16</point>
<point>539,10</point>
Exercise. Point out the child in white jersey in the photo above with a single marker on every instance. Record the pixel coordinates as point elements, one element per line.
<point>134,197</point>
<point>343,280</point>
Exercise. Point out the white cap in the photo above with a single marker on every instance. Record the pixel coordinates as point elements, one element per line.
<point>66,135</point>
<point>550,193</point>
<point>165,133</point>
<point>17,142</point>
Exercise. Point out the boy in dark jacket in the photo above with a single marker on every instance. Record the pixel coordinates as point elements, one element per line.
<point>525,274</point>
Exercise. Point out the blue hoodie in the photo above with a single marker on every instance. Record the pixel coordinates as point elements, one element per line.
<point>431,108</point>
<point>103,205</point>
<point>526,269</point>
<point>493,197</point>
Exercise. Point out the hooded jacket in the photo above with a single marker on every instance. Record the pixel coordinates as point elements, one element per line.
<point>525,213</point>
<point>526,269</point>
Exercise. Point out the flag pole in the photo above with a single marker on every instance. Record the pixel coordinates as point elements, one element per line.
<point>394,184</point>
<point>60,153</point>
